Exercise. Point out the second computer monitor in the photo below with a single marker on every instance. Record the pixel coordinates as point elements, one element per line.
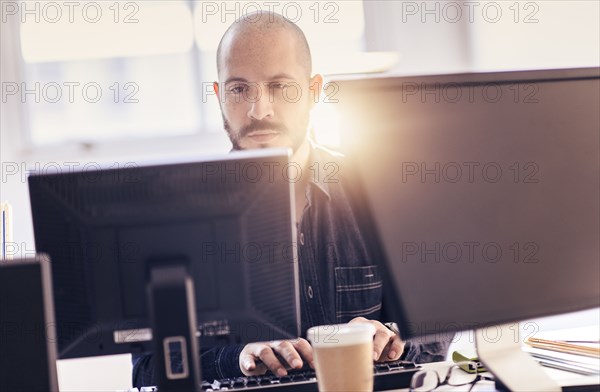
<point>484,192</point>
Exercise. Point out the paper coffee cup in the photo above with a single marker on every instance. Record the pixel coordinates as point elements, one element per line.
<point>343,355</point>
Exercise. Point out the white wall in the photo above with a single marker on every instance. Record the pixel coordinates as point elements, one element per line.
<point>426,43</point>
<point>458,36</point>
<point>560,34</point>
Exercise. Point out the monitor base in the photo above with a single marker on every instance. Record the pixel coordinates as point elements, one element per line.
<point>513,368</point>
<point>173,316</point>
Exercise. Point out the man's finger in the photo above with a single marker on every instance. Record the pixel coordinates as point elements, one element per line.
<point>396,348</point>
<point>305,350</point>
<point>288,352</point>
<point>250,364</point>
<point>267,356</point>
<point>380,341</point>
<point>393,351</point>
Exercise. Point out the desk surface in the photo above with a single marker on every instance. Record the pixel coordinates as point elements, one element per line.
<point>122,374</point>
<point>562,377</point>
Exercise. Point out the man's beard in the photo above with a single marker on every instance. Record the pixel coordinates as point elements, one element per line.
<point>236,137</point>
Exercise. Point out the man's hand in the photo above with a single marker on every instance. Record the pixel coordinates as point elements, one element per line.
<point>387,345</point>
<point>256,358</point>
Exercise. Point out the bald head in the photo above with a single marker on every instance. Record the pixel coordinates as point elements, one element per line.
<point>265,88</point>
<point>264,26</point>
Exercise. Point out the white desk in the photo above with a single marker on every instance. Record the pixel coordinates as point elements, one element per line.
<point>563,378</point>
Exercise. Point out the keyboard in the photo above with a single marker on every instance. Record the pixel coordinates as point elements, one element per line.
<point>389,375</point>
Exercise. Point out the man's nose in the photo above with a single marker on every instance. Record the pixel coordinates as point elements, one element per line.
<point>261,105</point>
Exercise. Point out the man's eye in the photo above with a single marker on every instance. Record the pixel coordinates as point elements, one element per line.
<point>237,89</point>
<point>278,85</point>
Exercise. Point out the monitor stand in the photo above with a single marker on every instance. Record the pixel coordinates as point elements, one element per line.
<point>501,354</point>
<point>173,318</point>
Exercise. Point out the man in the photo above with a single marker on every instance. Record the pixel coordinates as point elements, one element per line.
<point>263,63</point>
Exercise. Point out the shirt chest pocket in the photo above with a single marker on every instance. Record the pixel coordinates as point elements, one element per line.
<point>358,292</point>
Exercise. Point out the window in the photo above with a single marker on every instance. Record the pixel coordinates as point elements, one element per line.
<point>110,70</point>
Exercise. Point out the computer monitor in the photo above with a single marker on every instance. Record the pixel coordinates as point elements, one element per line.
<point>483,191</point>
<point>128,244</point>
<point>27,328</point>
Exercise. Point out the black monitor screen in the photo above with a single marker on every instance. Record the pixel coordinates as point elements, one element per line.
<point>229,220</point>
<point>484,189</point>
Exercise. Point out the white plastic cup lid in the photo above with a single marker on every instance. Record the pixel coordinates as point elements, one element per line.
<point>340,334</point>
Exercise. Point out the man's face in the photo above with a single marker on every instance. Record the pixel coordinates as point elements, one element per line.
<point>264,92</point>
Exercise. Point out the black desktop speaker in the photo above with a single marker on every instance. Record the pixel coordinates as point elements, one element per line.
<point>27,328</point>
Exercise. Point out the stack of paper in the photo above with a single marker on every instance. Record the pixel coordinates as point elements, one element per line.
<point>579,352</point>
<point>5,230</point>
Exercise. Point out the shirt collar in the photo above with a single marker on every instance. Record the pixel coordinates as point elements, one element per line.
<point>317,166</point>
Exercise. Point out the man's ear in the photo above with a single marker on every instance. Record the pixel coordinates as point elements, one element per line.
<point>216,90</point>
<point>315,86</point>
